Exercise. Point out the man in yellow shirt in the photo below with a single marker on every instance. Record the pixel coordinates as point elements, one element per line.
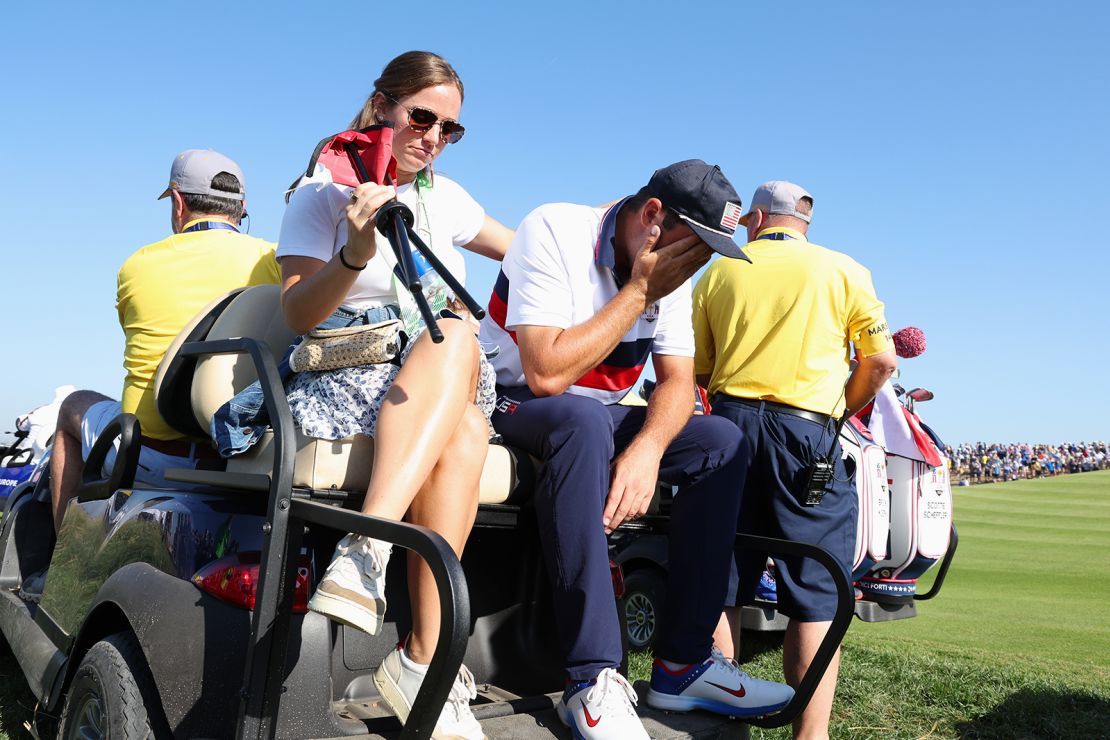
<point>161,288</point>
<point>774,341</point>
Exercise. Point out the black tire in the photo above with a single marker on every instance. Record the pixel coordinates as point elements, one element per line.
<point>641,609</point>
<point>105,697</point>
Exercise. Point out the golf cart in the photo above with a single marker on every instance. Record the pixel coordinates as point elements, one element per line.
<point>193,599</point>
<point>182,612</point>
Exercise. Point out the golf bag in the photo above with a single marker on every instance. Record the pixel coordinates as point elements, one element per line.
<point>920,502</point>
<point>34,434</point>
<point>16,465</point>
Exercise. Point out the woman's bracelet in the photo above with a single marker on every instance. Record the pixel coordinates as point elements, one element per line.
<point>347,264</point>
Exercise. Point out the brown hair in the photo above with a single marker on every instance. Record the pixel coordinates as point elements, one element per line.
<point>642,196</point>
<point>212,205</point>
<point>804,206</point>
<point>405,75</point>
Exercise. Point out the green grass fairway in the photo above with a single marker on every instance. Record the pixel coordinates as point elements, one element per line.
<point>1030,585</point>
<point>1017,644</point>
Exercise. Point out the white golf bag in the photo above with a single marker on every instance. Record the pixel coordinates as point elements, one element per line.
<point>920,502</point>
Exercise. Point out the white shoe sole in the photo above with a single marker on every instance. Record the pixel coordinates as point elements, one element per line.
<point>672,703</point>
<point>346,612</point>
<point>391,694</point>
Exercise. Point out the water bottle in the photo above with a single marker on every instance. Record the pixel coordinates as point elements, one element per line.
<point>434,288</point>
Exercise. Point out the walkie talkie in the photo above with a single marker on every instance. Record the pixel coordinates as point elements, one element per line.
<point>818,475</point>
<point>820,471</point>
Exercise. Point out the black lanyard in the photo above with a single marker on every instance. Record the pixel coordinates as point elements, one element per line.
<point>778,236</point>
<point>210,226</point>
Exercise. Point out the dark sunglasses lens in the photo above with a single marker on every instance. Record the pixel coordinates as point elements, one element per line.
<point>422,118</point>
<point>452,131</point>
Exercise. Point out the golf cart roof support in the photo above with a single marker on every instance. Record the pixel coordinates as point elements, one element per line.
<point>264,673</point>
<point>265,655</point>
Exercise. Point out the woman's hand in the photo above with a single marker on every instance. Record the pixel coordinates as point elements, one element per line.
<point>362,209</point>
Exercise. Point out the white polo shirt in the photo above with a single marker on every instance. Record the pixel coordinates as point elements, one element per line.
<point>315,225</point>
<point>559,272</point>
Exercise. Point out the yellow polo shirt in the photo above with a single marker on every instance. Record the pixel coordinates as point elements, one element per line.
<point>780,328</point>
<point>161,287</point>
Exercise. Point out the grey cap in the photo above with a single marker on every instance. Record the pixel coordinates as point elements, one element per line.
<point>780,198</point>
<point>193,170</point>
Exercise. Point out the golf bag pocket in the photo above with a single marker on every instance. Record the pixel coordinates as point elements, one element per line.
<point>873,524</point>
<point>920,527</point>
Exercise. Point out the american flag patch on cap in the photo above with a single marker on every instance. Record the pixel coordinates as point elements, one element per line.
<point>731,216</point>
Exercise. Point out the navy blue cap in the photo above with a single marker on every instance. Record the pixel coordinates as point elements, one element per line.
<point>704,198</point>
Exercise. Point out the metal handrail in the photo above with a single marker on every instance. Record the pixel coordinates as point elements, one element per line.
<point>953,542</point>
<point>127,429</point>
<point>454,601</point>
<point>842,619</point>
<point>826,651</point>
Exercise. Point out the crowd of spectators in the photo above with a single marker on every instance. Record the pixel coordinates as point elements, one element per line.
<point>988,463</point>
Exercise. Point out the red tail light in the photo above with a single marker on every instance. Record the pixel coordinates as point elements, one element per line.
<point>617,573</point>
<point>234,579</point>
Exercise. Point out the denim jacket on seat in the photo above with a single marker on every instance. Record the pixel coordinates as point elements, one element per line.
<point>240,423</point>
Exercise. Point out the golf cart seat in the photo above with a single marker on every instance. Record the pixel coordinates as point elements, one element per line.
<point>188,391</point>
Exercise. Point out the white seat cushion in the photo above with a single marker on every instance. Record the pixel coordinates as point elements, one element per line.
<point>345,464</point>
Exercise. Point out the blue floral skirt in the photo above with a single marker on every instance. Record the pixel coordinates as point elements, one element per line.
<point>334,404</point>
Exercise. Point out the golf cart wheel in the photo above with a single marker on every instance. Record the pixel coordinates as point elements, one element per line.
<point>642,607</point>
<point>105,698</point>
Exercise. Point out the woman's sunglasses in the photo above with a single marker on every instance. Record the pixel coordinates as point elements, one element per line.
<point>421,120</point>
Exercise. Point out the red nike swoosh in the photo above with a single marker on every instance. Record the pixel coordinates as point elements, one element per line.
<point>738,693</point>
<point>590,720</point>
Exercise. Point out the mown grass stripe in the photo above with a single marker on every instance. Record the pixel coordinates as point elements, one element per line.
<point>1017,644</point>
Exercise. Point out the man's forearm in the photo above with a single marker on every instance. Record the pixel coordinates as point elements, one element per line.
<point>669,408</point>
<point>866,380</point>
<point>579,349</point>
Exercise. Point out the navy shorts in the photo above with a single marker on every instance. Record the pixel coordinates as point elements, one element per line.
<point>783,446</point>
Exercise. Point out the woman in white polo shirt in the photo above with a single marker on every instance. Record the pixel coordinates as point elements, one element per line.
<point>432,412</point>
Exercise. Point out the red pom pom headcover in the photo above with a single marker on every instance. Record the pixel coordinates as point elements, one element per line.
<point>909,342</point>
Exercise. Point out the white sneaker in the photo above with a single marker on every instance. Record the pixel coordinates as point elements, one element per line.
<point>398,679</point>
<point>716,685</point>
<point>602,708</point>
<point>352,590</point>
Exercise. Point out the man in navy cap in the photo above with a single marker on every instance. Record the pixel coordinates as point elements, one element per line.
<point>585,296</point>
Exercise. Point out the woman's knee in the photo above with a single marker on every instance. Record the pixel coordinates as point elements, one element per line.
<point>471,436</point>
<point>458,340</point>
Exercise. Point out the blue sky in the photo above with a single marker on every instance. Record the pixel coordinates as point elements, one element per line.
<point>959,150</point>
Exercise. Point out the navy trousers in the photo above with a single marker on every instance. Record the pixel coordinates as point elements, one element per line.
<point>577,439</point>
<point>772,505</point>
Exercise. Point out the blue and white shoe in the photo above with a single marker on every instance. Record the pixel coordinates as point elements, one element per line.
<point>767,588</point>
<point>717,685</point>
<point>601,708</point>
